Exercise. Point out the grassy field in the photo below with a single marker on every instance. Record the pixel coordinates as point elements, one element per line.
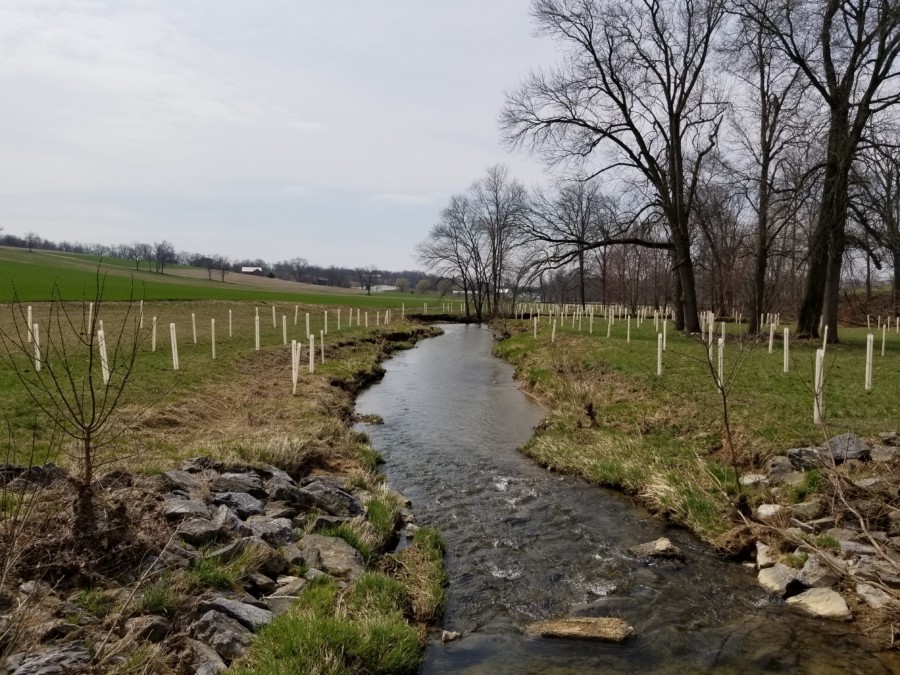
<point>31,276</point>
<point>616,422</point>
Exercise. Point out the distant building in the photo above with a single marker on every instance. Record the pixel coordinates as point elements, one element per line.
<point>252,270</point>
<point>381,288</point>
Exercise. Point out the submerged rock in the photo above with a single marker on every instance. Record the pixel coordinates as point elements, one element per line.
<point>604,629</point>
<point>661,548</point>
<point>821,603</point>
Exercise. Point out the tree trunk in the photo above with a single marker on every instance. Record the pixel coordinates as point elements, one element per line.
<point>581,275</point>
<point>896,293</point>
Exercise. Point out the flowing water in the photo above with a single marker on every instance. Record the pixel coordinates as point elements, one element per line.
<point>524,544</point>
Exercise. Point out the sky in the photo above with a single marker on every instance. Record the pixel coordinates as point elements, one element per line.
<point>333,131</point>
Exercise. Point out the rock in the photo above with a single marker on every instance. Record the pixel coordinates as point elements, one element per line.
<point>332,500</point>
<point>239,482</point>
<point>847,446</point>
<point>449,636</point>
<point>754,480</point>
<point>804,459</point>
<point>337,482</point>
<point>204,659</point>
<point>281,510</point>
<point>779,465</point>
<point>806,510</point>
<point>778,579</point>
<point>873,597</point>
<point>245,505</point>
<point>868,568</point>
<point>821,603</point>
<point>227,521</point>
<point>265,585</point>
<point>180,481</point>
<point>314,573</point>
<point>271,564</point>
<point>336,555</point>
<point>279,604</point>
<point>247,615</point>
<point>821,571</point>
<point>661,548</point>
<point>407,516</point>
<point>891,438</point>
<point>70,658</point>
<point>223,633</point>
<point>150,628</point>
<point>769,511</point>
<point>177,508</point>
<point>177,556</point>
<point>324,522</point>
<point>292,587</point>
<point>275,531</point>
<point>820,524</point>
<point>198,531</point>
<point>766,556</point>
<point>603,629</point>
<point>200,464</point>
<point>115,479</point>
<point>42,474</point>
<point>283,490</point>
<point>293,555</point>
<point>851,548</point>
<point>841,534</point>
<point>884,454</point>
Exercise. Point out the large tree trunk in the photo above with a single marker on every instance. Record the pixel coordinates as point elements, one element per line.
<point>581,276</point>
<point>896,294</point>
<point>686,314</point>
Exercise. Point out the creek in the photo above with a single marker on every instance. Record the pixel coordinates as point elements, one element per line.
<point>525,544</point>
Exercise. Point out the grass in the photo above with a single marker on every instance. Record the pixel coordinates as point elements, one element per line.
<point>95,601</point>
<point>159,597</point>
<point>422,573</point>
<point>362,630</point>
<point>615,422</point>
<point>353,536</point>
<point>796,560</point>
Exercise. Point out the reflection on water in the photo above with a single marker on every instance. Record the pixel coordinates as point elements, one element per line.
<point>525,544</point>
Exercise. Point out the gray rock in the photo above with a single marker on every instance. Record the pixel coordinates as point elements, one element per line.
<point>778,579</point>
<point>869,568</point>
<point>243,504</point>
<point>821,603</point>
<point>661,548</point>
<point>450,635</point>
<point>314,573</point>
<point>841,534</point>
<point>809,510</point>
<point>286,491</point>
<point>873,597</point>
<point>71,658</point>
<point>880,486</point>
<point>820,571</point>
<point>271,564</point>
<point>228,521</point>
<point>265,585</point>
<point>293,555</point>
<point>852,548</point>
<point>281,510</point>
<point>337,482</point>
<point>325,522</point>
<point>205,660</point>
<point>279,604</point>
<point>181,481</point>
<point>275,531</point>
<point>804,459</point>
<point>766,556</point>
<point>252,618</point>
<point>779,465</point>
<point>200,464</point>
<point>847,446</point>
<point>115,479</point>
<point>884,454</point>
<point>893,523</point>
<point>891,438</point>
<point>292,587</point>
<point>151,628</point>
<point>754,480</point>
<point>337,556</point>
<point>821,524</point>
<point>198,531</point>
<point>239,482</point>
<point>769,511</point>
<point>185,508</point>
<point>270,472</point>
<point>602,629</point>
<point>226,635</point>
<point>332,500</point>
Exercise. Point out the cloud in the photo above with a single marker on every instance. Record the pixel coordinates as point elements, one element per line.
<point>397,198</point>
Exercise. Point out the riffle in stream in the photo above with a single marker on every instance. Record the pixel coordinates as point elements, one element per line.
<point>524,544</point>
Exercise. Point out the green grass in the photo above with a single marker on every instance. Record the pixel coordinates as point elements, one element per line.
<point>321,634</point>
<point>616,422</point>
<point>95,601</point>
<point>352,537</point>
<point>159,597</point>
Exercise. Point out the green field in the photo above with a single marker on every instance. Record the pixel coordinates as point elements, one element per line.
<point>31,276</point>
<point>661,437</point>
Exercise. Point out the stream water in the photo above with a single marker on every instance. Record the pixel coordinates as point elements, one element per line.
<point>525,544</point>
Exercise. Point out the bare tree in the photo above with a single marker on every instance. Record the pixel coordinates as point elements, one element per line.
<point>367,277</point>
<point>163,252</point>
<point>221,263</point>
<point>846,51</point>
<point>402,283</point>
<point>633,84</point>
<point>32,239</point>
<point>296,267</point>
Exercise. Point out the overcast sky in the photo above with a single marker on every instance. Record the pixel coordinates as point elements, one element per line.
<point>268,128</point>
